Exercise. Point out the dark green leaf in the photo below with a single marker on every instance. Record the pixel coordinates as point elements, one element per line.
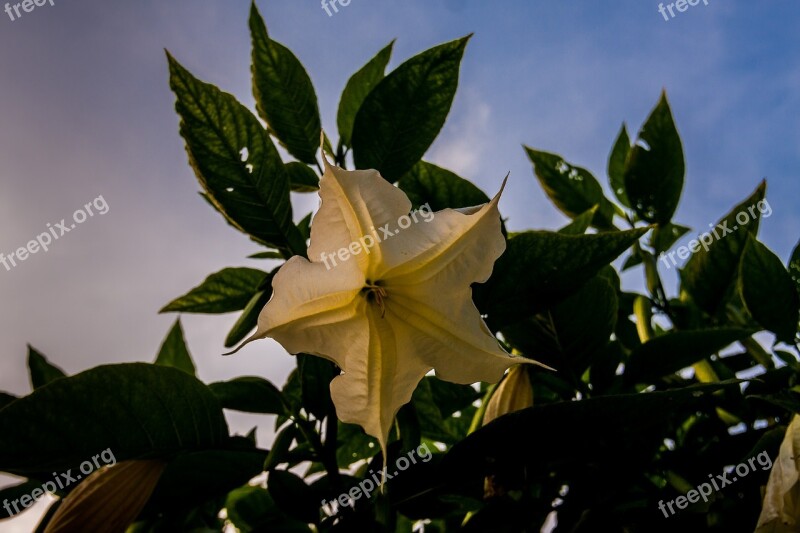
<point>302,177</point>
<point>626,331</point>
<point>539,268</point>
<point>285,97</point>
<point>655,167</point>
<point>222,292</point>
<point>616,165</point>
<point>138,410</point>
<point>768,291</point>
<point>567,335</point>
<point>404,113</point>
<point>265,255</point>
<point>572,189</point>
<point>248,320</point>
<point>6,398</point>
<point>293,496</point>
<point>625,430</point>
<point>709,277</point>
<point>316,374</point>
<point>41,370</point>
<point>15,492</point>
<point>633,260</point>
<point>251,508</point>
<point>174,352</point>
<point>794,267</point>
<point>665,236</point>
<point>293,395</point>
<point>305,226</point>
<point>354,445</point>
<point>431,421</point>
<point>785,399</point>
<point>580,223</point>
<point>674,351</point>
<point>358,87</point>
<point>451,397</point>
<point>235,161</point>
<point>249,394</point>
<point>280,447</point>
<point>194,478</point>
<point>603,371</point>
<point>439,188</point>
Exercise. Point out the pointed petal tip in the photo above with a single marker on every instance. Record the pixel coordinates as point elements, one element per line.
<point>254,337</point>
<point>502,188</point>
<point>322,149</point>
<point>535,362</point>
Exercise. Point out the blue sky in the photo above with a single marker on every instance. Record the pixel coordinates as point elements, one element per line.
<point>86,111</point>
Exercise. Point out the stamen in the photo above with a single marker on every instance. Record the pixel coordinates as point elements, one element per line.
<point>373,290</point>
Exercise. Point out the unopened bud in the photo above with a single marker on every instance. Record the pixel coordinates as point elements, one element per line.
<point>514,393</point>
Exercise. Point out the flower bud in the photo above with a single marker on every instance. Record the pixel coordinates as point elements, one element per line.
<point>515,392</point>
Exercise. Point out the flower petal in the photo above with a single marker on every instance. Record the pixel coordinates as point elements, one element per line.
<point>354,205</point>
<point>450,335</point>
<point>315,310</point>
<point>374,387</point>
<point>454,248</point>
<point>514,394</point>
<point>781,509</point>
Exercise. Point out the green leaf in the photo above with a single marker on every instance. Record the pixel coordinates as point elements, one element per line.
<point>655,167</point>
<point>293,395</point>
<point>280,447</point>
<point>603,371</point>
<point>436,401</point>
<point>302,177</point>
<point>451,397</point>
<point>428,184</point>
<point>353,445</point>
<point>669,353</point>
<point>251,192</point>
<point>293,496</point>
<point>41,370</point>
<point>251,508</point>
<point>431,420</point>
<point>580,223</point>
<point>284,95</point>
<point>15,492</point>
<point>768,291</point>
<point>567,335</point>
<point>138,410</point>
<point>194,478</point>
<point>709,277</point>
<point>222,292</point>
<point>667,235</point>
<point>540,268</point>
<point>316,375</point>
<point>400,118</point>
<point>794,267</point>
<point>305,226</point>
<point>358,87</point>
<point>616,165</point>
<point>6,398</point>
<point>632,260</point>
<point>174,352</point>
<point>572,189</point>
<point>625,431</point>
<point>265,255</point>
<point>249,394</point>
<point>248,320</point>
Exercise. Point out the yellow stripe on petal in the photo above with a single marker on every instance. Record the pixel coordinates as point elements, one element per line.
<point>373,388</point>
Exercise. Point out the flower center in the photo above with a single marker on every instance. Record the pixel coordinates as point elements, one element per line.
<point>374,292</point>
